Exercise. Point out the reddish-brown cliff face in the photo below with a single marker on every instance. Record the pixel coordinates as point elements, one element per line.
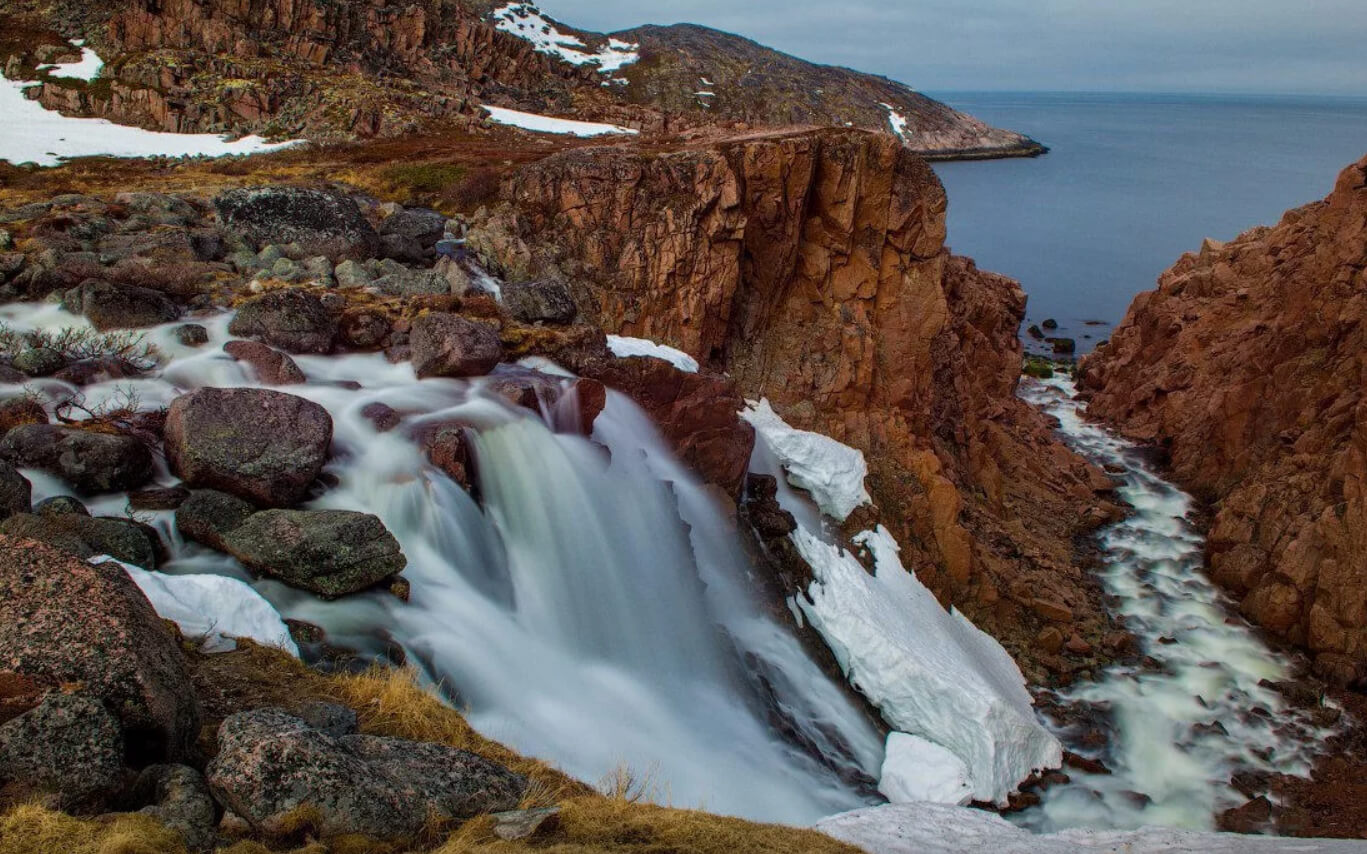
<point>1248,362</point>
<point>811,267</point>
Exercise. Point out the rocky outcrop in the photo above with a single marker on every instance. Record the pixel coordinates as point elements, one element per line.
<point>811,267</point>
<point>1247,365</point>
<point>313,221</point>
<point>89,461</point>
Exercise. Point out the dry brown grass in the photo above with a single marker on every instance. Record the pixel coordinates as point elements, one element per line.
<point>30,829</point>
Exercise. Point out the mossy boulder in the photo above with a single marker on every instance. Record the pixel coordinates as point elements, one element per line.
<point>330,553</point>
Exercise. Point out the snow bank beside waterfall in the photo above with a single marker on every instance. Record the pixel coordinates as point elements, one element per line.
<point>939,829</point>
<point>622,346</point>
<point>212,607</point>
<point>833,473</point>
<point>525,21</point>
<point>930,672</point>
<point>549,124</point>
<point>920,771</point>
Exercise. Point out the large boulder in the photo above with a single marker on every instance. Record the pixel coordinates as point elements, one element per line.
<point>109,305</point>
<point>63,620</point>
<point>313,221</point>
<point>265,446</point>
<point>448,345</point>
<point>413,283</point>
<point>272,367</point>
<point>296,321</point>
<point>327,552</point>
<point>539,302</point>
<point>90,462</point>
<point>86,536</point>
<point>208,516</point>
<point>69,751</point>
<point>271,765</point>
<point>411,235</point>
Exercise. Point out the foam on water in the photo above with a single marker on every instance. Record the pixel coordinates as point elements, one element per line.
<point>1195,713</point>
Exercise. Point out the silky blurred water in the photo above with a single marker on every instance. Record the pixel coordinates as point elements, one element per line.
<point>1132,182</point>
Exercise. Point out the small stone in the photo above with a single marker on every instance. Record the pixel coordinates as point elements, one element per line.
<point>1077,646</point>
<point>526,824</point>
<point>351,275</point>
<point>1051,610</point>
<point>1050,640</point>
<point>61,505</point>
<point>192,335</point>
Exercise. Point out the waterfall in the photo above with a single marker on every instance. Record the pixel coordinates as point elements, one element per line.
<point>592,610</point>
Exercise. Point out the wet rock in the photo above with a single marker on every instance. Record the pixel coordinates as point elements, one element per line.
<point>383,417</point>
<point>16,493</point>
<point>86,536</point>
<point>179,798</point>
<point>39,361</point>
<point>1062,346</point>
<point>66,621</point>
<point>1050,324</point>
<point>270,764</point>
<point>109,305</point>
<point>272,367</point>
<point>330,553</point>
<point>540,302</point>
<point>590,397</point>
<point>411,235</point>
<point>208,516</point>
<point>364,329</point>
<point>1253,817</point>
<point>265,446</point>
<point>90,462</point>
<point>158,498</point>
<point>411,283</point>
<point>192,335</point>
<point>762,509</point>
<point>61,505</point>
<point>295,321</point>
<point>448,448</point>
<point>1085,764</point>
<point>313,221</point>
<point>69,750</point>
<point>526,824</point>
<point>448,345</point>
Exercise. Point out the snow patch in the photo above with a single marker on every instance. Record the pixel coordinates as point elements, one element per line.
<point>623,347</point>
<point>939,829</point>
<point>86,68</point>
<point>525,21</point>
<point>916,770</point>
<point>212,607</point>
<point>897,121</point>
<point>548,124</point>
<point>46,137</point>
<point>930,672</point>
<point>831,471</point>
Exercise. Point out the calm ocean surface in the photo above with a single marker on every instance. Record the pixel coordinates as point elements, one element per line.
<point>1132,182</point>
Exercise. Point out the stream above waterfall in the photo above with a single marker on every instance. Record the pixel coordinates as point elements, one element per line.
<point>1195,707</point>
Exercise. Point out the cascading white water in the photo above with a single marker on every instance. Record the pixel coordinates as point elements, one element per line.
<point>1194,713</point>
<point>594,612</point>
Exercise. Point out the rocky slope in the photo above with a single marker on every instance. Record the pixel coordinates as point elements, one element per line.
<point>1247,365</point>
<point>331,71</point>
<point>812,268</point>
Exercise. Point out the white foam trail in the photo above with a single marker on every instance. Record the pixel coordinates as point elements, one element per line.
<point>1184,723</point>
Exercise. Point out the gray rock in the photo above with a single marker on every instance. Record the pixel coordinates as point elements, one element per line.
<point>109,305</point>
<point>39,361</point>
<point>61,505</point>
<point>269,254</point>
<point>448,345</point>
<point>179,798</point>
<point>329,553</point>
<point>286,270</point>
<point>158,498</point>
<point>11,263</point>
<point>272,367</point>
<point>16,493</point>
<point>332,718</point>
<point>63,620</point>
<point>90,462</point>
<point>69,748</point>
<point>192,335</point>
<point>455,274</point>
<point>261,445</point>
<point>295,321</point>
<point>413,283</point>
<point>316,222</point>
<point>270,764</point>
<point>539,302</point>
<point>526,824</point>
<point>352,275</point>
<point>86,536</point>
<point>318,269</point>
<point>208,516</point>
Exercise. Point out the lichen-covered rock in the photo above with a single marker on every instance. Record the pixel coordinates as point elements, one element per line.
<point>69,751</point>
<point>317,222</point>
<point>63,620</point>
<point>540,302</point>
<point>90,462</point>
<point>411,283</point>
<point>272,367</point>
<point>411,234</point>
<point>271,764</point>
<point>86,536</point>
<point>192,335</point>
<point>16,493</point>
<point>327,552</point>
<point>110,305</point>
<point>208,516</point>
<point>265,446</point>
<point>296,321</point>
<point>448,345</point>
<point>178,796</point>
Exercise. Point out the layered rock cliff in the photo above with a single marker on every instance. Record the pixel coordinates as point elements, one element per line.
<point>812,268</point>
<point>335,71</point>
<point>1248,364</point>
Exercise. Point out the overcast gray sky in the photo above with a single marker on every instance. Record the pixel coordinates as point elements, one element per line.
<point>1293,46</point>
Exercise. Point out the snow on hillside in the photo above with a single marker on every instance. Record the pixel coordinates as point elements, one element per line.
<point>833,473</point>
<point>622,346</point>
<point>549,124</point>
<point>930,672</point>
<point>525,21</point>
<point>897,121</point>
<point>87,68</point>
